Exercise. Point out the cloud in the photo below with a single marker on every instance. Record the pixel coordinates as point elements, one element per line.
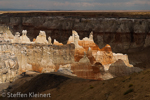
<point>76,5</point>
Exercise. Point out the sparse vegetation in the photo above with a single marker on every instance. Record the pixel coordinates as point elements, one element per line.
<point>130,85</point>
<point>91,87</point>
<point>123,80</point>
<point>128,91</point>
<point>87,89</point>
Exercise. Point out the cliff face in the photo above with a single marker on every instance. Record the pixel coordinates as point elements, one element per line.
<point>124,35</point>
<point>17,58</point>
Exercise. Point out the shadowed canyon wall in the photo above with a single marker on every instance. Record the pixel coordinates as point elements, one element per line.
<point>125,33</point>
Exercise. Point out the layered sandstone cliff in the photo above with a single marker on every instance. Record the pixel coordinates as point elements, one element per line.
<point>81,58</point>
<point>123,33</point>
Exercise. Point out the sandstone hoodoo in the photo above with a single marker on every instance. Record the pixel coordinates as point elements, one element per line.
<point>80,58</point>
<point>24,38</point>
<point>41,38</point>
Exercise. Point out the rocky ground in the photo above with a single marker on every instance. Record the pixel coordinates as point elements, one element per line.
<point>132,87</point>
<point>21,79</point>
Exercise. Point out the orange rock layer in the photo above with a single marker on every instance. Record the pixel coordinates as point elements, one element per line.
<point>86,44</point>
<point>107,55</point>
<point>85,71</point>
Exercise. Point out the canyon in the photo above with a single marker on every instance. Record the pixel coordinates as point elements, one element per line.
<point>96,55</point>
<point>65,41</point>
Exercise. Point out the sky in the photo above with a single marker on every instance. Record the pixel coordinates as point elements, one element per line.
<point>76,4</point>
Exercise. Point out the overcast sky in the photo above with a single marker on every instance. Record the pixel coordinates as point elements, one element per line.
<point>76,4</point>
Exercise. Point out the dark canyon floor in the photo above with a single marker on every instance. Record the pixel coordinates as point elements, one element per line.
<point>133,87</point>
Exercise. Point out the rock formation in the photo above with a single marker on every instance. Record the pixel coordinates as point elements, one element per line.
<point>41,38</point>
<point>66,69</point>
<point>118,56</point>
<point>16,38</point>
<point>49,40</point>
<point>81,58</point>
<point>120,69</point>
<point>56,42</point>
<point>84,59</point>
<point>95,54</point>
<point>45,58</point>
<point>8,67</point>
<point>5,29</point>
<point>105,56</point>
<point>84,69</point>
<point>24,38</point>
<point>6,37</point>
